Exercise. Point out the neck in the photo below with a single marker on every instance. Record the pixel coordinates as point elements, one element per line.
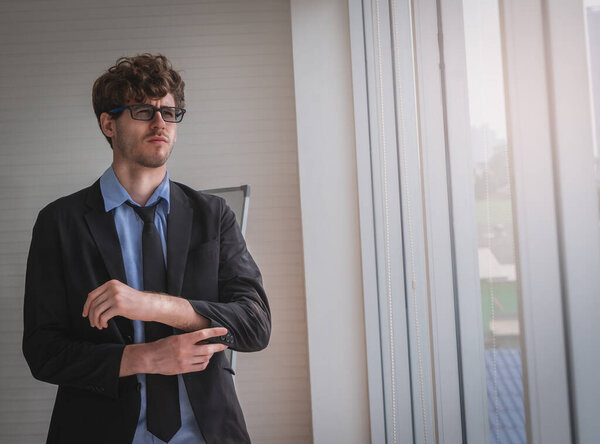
<point>139,182</point>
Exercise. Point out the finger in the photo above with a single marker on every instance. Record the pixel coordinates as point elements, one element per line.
<point>93,309</point>
<point>86,306</point>
<point>92,296</point>
<point>195,360</point>
<point>99,311</point>
<point>192,363</point>
<point>106,316</point>
<point>213,348</point>
<point>209,349</point>
<point>205,333</point>
<point>196,365</point>
<point>202,365</point>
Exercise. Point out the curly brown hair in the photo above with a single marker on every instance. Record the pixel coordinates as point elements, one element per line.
<point>138,78</point>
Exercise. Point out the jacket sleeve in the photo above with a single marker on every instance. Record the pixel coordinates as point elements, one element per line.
<point>52,350</point>
<point>242,307</point>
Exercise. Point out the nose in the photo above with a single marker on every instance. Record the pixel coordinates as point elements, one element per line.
<point>157,120</point>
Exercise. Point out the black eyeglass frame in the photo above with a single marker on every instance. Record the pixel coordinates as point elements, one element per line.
<point>154,109</point>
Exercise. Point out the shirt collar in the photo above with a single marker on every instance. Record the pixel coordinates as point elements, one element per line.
<point>115,194</point>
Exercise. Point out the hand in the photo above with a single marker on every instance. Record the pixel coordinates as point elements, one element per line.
<point>186,352</point>
<point>114,298</point>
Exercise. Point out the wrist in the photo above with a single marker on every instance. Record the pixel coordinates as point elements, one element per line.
<point>146,357</point>
<point>137,358</point>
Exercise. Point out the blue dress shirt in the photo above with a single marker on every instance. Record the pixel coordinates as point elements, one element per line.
<point>129,228</point>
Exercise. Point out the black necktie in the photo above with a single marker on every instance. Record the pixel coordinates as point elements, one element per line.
<point>162,392</point>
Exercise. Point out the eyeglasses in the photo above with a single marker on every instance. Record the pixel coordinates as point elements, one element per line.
<point>171,114</point>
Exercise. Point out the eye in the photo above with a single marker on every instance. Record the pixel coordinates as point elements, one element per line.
<point>143,112</point>
<point>168,113</point>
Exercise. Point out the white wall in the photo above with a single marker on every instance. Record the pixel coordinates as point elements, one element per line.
<point>329,196</point>
<point>236,58</point>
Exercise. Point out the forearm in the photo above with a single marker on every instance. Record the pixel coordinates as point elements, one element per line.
<point>179,313</point>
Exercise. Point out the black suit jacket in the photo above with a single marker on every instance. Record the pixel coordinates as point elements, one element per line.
<point>74,249</point>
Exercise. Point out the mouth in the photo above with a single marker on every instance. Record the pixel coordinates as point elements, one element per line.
<point>157,139</point>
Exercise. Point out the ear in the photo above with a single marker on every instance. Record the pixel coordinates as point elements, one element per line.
<point>107,125</point>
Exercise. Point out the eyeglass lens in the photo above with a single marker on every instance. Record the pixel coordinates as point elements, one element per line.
<point>146,112</point>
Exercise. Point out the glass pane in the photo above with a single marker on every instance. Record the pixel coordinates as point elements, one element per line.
<point>592,19</point>
<point>495,233</point>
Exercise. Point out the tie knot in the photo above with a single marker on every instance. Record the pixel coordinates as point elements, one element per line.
<point>145,213</point>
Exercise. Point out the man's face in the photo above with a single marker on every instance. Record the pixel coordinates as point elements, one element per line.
<point>142,143</point>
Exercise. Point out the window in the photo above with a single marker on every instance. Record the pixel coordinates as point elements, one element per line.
<point>470,251</point>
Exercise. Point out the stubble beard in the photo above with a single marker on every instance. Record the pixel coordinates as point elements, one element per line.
<point>130,153</point>
<point>152,161</point>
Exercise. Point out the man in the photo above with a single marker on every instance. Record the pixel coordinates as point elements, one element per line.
<point>136,346</point>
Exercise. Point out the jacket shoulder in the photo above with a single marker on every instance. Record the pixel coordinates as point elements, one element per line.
<point>70,204</point>
<point>200,199</point>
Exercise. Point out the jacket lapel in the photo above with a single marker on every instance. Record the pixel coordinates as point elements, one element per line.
<point>179,228</point>
<point>103,229</point>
